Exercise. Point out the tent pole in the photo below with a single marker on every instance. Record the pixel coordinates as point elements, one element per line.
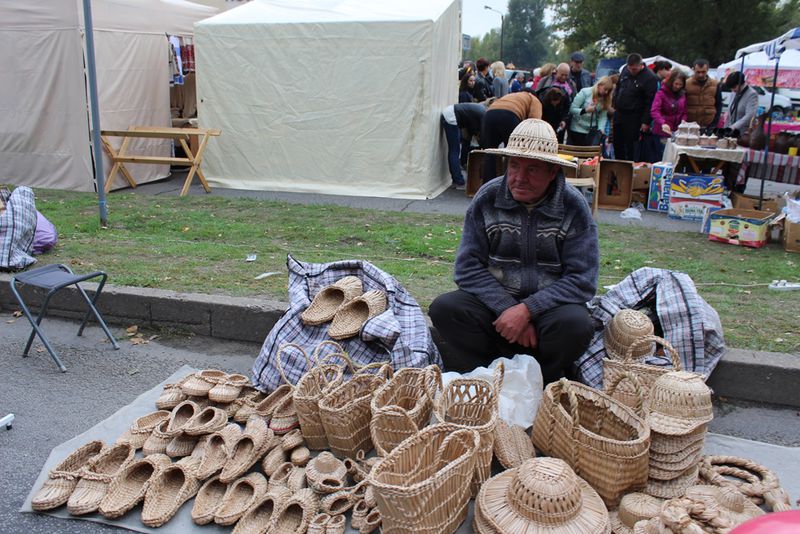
<point>769,127</point>
<point>91,72</point>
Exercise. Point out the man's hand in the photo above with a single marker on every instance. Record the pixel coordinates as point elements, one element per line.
<point>645,128</point>
<point>529,338</point>
<point>514,323</point>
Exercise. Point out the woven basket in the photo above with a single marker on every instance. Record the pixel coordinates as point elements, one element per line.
<point>345,413</point>
<point>61,480</point>
<point>423,485</point>
<point>402,406</point>
<point>623,329</point>
<point>240,497</point>
<point>647,374</point>
<point>472,403</point>
<point>257,519</point>
<point>604,441</point>
<point>755,481</point>
<point>128,488</point>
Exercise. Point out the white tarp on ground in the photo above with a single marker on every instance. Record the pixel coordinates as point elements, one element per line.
<point>329,96</point>
<point>44,122</point>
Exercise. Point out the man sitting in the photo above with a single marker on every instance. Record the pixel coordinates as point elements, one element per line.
<point>527,264</point>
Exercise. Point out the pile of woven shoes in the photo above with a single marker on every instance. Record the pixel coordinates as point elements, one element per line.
<point>217,465</point>
<point>346,305</point>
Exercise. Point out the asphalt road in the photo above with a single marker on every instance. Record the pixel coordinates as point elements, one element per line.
<point>51,407</point>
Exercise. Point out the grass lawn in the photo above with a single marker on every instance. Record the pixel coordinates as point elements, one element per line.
<point>199,243</point>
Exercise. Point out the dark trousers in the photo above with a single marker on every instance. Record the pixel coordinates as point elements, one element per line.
<point>465,324</point>
<point>496,128</point>
<point>626,135</point>
<point>454,148</point>
<point>578,139</point>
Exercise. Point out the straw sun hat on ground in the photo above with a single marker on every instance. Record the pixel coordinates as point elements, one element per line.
<point>543,495</point>
<point>534,139</point>
<point>680,402</point>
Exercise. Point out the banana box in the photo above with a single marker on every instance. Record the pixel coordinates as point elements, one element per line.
<point>691,194</point>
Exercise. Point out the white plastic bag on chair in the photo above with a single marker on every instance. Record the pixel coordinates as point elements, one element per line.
<point>522,387</point>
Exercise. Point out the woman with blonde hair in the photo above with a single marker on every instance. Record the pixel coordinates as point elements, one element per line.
<point>590,111</point>
<point>544,72</point>
<point>499,83</point>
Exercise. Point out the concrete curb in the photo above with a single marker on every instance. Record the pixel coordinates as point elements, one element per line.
<point>742,374</point>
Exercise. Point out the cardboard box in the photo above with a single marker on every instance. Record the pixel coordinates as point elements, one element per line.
<point>740,227</point>
<point>660,179</point>
<point>750,202</point>
<point>616,184</point>
<point>641,176</point>
<point>791,236</point>
<point>690,194</point>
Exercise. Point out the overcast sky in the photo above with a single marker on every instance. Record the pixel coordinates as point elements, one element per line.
<point>475,20</point>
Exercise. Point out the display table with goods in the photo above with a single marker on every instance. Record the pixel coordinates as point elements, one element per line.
<point>356,447</point>
<point>771,166</point>
<point>719,156</point>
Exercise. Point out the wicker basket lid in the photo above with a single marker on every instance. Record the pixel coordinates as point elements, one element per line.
<point>680,402</point>
<point>543,495</point>
<point>623,329</point>
<point>728,500</point>
<point>634,507</point>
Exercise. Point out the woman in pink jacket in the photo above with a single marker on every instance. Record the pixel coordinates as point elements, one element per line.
<point>669,106</point>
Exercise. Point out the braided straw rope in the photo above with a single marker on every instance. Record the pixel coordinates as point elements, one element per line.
<point>61,480</point>
<point>755,481</point>
<point>472,403</point>
<point>604,441</point>
<point>647,374</point>
<point>422,486</point>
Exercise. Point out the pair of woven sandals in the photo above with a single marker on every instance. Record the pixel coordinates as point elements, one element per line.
<point>345,304</point>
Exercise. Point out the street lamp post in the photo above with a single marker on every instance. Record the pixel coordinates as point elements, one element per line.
<point>502,20</point>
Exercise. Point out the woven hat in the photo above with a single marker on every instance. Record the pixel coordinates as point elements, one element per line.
<point>672,489</point>
<point>512,445</point>
<point>680,402</point>
<point>534,139</point>
<point>634,507</point>
<point>623,329</point>
<point>543,495</point>
<point>665,444</point>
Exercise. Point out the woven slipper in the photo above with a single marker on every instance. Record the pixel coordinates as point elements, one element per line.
<point>300,456</point>
<point>329,299</point>
<point>326,473</point>
<point>181,445</point>
<point>281,476</point>
<point>369,497</point>
<point>171,396</point>
<point>97,476</point>
<point>257,519</point>
<point>512,445</point>
<point>292,440</point>
<point>208,501</point>
<point>295,514</point>
<point>240,497</point>
<point>247,450</point>
<point>217,450</point>
<point>200,383</point>
<point>141,429</point>
<point>284,418</point>
<point>336,503</point>
<point>297,479</point>
<point>207,421</point>
<point>273,460</point>
<point>61,480</point>
<point>266,407</point>
<point>359,515</point>
<point>157,441</point>
<point>318,524</point>
<point>371,522</point>
<point>336,525</point>
<point>181,415</point>
<point>172,487</point>
<point>228,390</point>
<point>248,406</point>
<point>351,316</point>
<point>230,408</point>
<point>128,489</point>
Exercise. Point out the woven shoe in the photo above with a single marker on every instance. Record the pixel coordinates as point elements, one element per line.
<point>181,415</point>
<point>128,489</point>
<point>64,477</point>
<point>200,383</point>
<point>97,476</point>
<point>247,450</point>
<point>171,396</point>
<point>350,318</point>
<point>157,441</point>
<point>266,407</point>
<point>141,429</point>
<point>208,421</point>
<point>257,519</point>
<point>248,406</point>
<point>329,299</point>
<point>318,524</point>
<point>228,390</point>
<point>217,450</point>
<point>240,497</point>
<point>336,525</point>
<point>168,491</point>
<point>296,513</point>
<point>284,418</point>
<point>208,501</point>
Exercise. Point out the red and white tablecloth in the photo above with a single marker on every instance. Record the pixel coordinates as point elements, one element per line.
<point>774,167</point>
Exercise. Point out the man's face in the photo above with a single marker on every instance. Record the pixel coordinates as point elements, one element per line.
<point>576,66</point>
<point>636,68</point>
<point>701,73</point>
<point>528,179</point>
<point>562,74</point>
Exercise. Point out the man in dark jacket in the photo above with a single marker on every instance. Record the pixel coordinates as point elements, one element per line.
<point>527,264</point>
<point>460,122</point>
<point>633,97</point>
<point>483,85</point>
<point>580,77</point>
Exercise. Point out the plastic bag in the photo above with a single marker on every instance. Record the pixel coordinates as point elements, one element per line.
<point>631,213</point>
<point>522,387</point>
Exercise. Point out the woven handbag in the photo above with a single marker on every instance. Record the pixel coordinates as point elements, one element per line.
<point>647,374</point>
<point>472,403</point>
<point>604,441</point>
<point>345,412</point>
<point>422,486</point>
<point>403,405</point>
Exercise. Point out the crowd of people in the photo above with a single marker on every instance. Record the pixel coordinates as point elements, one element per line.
<point>631,114</point>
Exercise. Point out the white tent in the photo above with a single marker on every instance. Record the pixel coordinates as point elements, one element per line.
<point>329,96</point>
<point>44,121</point>
<point>760,69</point>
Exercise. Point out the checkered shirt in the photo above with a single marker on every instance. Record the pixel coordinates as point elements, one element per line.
<point>17,229</point>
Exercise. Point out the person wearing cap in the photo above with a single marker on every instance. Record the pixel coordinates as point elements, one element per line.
<point>744,105</point>
<point>527,264</point>
<point>581,77</point>
<point>633,98</point>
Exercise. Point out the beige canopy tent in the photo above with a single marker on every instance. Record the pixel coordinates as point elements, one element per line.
<point>329,96</point>
<point>44,119</point>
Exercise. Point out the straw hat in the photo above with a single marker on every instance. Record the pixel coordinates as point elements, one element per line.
<point>665,444</point>
<point>534,139</point>
<point>672,489</point>
<point>680,402</point>
<point>543,495</point>
<point>623,329</point>
<point>732,503</point>
<point>634,507</point>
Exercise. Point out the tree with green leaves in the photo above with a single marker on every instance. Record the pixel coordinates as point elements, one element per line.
<point>487,46</point>
<point>526,39</point>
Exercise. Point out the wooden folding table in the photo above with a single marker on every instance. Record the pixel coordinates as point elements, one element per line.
<point>193,161</point>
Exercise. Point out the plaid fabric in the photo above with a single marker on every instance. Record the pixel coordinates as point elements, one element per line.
<point>678,312</point>
<point>399,335</point>
<point>780,168</point>
<point>17,229</point>
<point>187,54</point>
